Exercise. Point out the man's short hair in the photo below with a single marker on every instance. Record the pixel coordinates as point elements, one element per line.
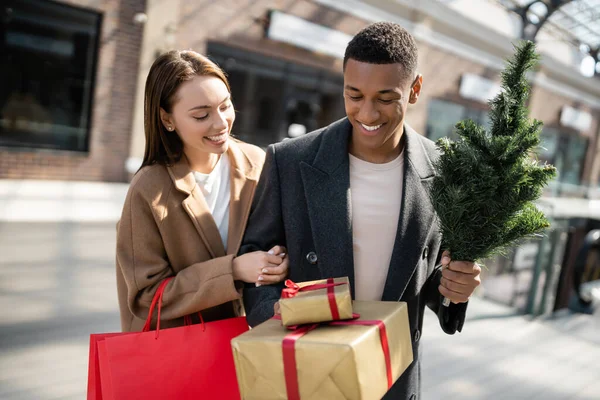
<point>384,43</point>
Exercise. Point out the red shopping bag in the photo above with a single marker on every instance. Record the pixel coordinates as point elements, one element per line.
<point>188,362</point>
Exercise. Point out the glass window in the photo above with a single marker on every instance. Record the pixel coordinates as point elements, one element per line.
<point>574,159</point>
<point>478,116</point>
<point>268,94</point>
<point>484,119</point>
<point>549,139</point>
<point>281,99</point>
<point>237,82</point>
<point>565,151</point>
<point>444,115</point>
<point>48,63</point>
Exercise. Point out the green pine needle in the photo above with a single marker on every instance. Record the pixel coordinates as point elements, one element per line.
<point>486,182</point>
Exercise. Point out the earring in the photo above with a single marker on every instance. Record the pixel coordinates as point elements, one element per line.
<point>170,128</point>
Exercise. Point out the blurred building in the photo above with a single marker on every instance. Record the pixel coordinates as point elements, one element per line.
<point>71,106</point>
<point>284,62</point>
<point>72,103</point>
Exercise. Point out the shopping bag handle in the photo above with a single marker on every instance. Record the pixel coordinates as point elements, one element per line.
<point>187,320</point>
<point>157,299</point>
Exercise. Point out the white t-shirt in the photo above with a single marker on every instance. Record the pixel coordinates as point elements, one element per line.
<point>376,196</point>
<point>216,190</point>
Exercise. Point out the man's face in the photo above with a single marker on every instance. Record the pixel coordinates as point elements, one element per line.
<point>376,97</point>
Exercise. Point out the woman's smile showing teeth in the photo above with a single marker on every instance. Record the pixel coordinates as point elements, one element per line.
<point>217,138</point>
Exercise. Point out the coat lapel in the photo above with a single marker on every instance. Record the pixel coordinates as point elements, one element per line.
<point>416,217</point>
<point>327,190</point>
<point>244,177</point>
<point>196,207</point>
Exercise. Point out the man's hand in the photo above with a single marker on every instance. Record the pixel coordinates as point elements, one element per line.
<point>459,279</point>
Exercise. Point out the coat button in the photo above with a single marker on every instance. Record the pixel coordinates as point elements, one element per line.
<point>312,258</point>
<point>417,335</point>
<point>425,252</point>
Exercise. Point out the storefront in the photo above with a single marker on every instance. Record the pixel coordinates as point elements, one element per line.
<point>276,98</point>
<point>568,134</point>
<point>47,106</point>
<point>80,116</point>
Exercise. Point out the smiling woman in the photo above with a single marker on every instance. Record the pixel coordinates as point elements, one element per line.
<point>179,219</point>
<point>202,117</point>
<point>187,98</point>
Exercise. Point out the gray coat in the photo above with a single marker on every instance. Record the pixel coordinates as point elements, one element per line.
<point>303,202</point>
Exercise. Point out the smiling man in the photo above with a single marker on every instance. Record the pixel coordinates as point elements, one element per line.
<point>351,200</point>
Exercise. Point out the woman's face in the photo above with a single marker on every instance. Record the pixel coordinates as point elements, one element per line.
<point>202,115</point>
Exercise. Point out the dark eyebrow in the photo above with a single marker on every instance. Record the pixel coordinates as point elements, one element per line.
<point>206,106</point>
<point>388,91</point>
<point>348,87</point>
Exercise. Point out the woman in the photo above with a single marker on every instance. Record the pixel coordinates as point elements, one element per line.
<point>187,206</point>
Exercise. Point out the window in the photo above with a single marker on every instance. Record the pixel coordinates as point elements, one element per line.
<point>444,115</point>
<point>574,159</point>
<point>548,145</point>
<point>48,63</point>
<point>566,152</point>
<point>268,95</point>
<point>275,98</point>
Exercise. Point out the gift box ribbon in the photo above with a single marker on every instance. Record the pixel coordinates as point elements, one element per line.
<point>289,353</point>
<point>292,289</point>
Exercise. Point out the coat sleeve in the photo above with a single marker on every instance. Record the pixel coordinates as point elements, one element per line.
<point>451,318</point>
<point>143,261</point>
<point>264,231</point>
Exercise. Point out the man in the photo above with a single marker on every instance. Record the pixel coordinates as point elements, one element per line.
<point>351,199</point>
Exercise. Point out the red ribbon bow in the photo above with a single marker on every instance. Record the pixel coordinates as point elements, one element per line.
<point>289,352</point>
<point>292,289</point>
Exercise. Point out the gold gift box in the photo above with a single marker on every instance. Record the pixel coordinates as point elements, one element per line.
<point>313,305</point>
<point>332,362</point>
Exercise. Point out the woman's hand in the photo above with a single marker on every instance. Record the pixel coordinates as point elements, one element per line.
<point>262,268</point>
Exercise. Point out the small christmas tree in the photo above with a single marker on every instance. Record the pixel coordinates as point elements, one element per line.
<point>487,181</point>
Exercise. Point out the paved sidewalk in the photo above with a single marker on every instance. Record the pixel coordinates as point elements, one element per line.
<point>500,355</point>
<point>57,285</point>
<point>60,201</point>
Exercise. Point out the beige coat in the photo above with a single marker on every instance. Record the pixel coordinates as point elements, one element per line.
<point>166,229</point>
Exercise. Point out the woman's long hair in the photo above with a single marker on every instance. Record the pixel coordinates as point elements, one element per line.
<point>167,73</point>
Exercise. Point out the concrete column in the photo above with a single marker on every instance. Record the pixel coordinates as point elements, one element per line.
<point>160,32</point>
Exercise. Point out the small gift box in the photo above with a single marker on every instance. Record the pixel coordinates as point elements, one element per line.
<point>356,359</point>
<point>315,301</point>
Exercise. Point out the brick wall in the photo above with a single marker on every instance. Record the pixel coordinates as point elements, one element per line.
<point>112,107</point>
